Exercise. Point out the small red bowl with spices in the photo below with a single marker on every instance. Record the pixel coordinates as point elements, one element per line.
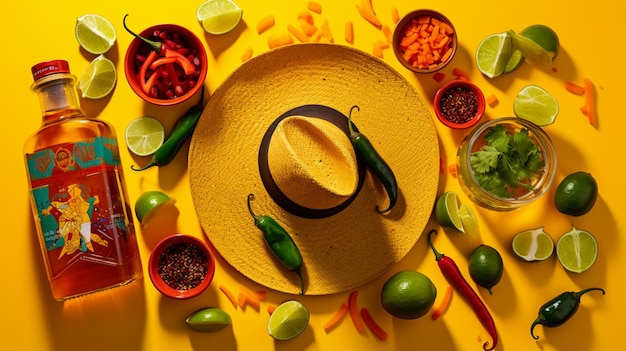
<point>459,104</point>
<point>424,41</point>
<point>167,69</point>
<point>181,266</point>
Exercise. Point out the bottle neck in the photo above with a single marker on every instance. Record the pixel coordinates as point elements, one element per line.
<point>57,97</point>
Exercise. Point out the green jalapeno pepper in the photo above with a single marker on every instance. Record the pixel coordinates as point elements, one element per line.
<point>280,243</point>
<point>182,130</point>
<point>558,310</point>
<point>372,159</point>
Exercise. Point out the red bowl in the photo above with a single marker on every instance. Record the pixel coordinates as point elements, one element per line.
<point>404,24</point>
<point>137,46</point>
<point>471,89</point>
<point>171,243</point>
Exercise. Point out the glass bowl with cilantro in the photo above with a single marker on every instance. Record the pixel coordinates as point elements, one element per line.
<point>506,163</point>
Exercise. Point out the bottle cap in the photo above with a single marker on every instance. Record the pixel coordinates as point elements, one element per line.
<point>43,69</point>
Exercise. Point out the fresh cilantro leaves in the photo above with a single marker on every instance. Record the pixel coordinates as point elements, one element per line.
<point>507,162</point>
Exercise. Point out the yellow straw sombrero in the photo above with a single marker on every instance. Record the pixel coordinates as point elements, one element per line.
<point>275,113</point>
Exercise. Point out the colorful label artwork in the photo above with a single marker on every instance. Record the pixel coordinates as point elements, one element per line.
<point>76,191</point>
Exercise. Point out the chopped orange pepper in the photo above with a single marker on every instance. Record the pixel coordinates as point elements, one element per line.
<point>395,16</point>
<point>492,100</point>
<point>298,33</point>
<point>265,23</point>
<point>369,16</point>
<point>247,54</point>
<point>314,6</point>
<point>229,295</point>
<point>334,321</point>
<point>574,88</point>
<point>590,108</point>
<point>349,32</point>
<point>445,302</point>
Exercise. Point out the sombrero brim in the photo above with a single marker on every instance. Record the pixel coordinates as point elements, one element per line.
<point>341,251</point>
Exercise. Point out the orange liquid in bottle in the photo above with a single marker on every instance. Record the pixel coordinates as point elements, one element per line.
<point>78,195</point>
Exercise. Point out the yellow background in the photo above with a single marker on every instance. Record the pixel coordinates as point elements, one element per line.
<point>139,318</point>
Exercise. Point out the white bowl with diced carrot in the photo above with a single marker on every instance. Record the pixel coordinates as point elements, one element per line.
<point>424,41</point>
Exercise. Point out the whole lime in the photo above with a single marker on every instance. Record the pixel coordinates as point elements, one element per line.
<point>408,294</point>
<point>486,266</point>
<point>543,35</point>
<point>576,194</point>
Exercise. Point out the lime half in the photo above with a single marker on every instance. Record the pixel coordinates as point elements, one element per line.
<point>219,16</point>
<point>144,135</point>
<point>533,245</point>
<point>94,33</point>
<point>447,211</point>
<point>209,319</point>
<point>288,320</point>
<point>536,105</point>
<point>98,79</point>
<point>493,54</point>
<point>577,250</point>
<point>148,204</point>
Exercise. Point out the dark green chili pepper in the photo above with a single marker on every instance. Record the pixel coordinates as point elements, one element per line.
<point>182,130</point>
<point>279,242</point>
<point>558,310</point>
<point>368,154</point>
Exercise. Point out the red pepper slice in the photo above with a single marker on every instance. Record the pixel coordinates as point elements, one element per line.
<point>147,85</point>
<point>372,325</point>
<point>354,312</point>
<point>161,61</point>
<point>144,67</point>
<point>187,65</point>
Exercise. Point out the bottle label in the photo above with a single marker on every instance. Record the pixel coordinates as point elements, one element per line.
<point>77,192</point>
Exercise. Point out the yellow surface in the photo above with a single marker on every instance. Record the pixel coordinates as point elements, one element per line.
<point>138,318</point>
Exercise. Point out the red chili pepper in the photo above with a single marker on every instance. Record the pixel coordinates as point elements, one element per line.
<point>454,276</point>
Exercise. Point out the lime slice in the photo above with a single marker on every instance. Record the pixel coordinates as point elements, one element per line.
<point>493,53</point>
<point>288,320</point>
<point>533,245</point>
<point>536,105</point>
<point>468,220</point>
<point>530,49</point>
<point>148,204</point>
<point>219,16</point>
<point>144,135</point>
<point>447,211</point>
<point>98,79</point>
<point>577,250</point>
<point>209,319</point>
<point>94,33</point>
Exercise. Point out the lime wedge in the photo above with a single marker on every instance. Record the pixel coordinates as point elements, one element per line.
<point>209,319</point>
<point>536,105</point>
<point>98,79</point>
<point>148,204</point>
<point>577,250</point>
<point>530,49</point>
<point>533,245</point>
<point>288,320</point>
<point>468,220</point>
<point>144,135</point>
<point>515,61</point>
<point>447,211</point>
<point>94,33</point>
<point>219,16</point>
<point>493,53</point>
